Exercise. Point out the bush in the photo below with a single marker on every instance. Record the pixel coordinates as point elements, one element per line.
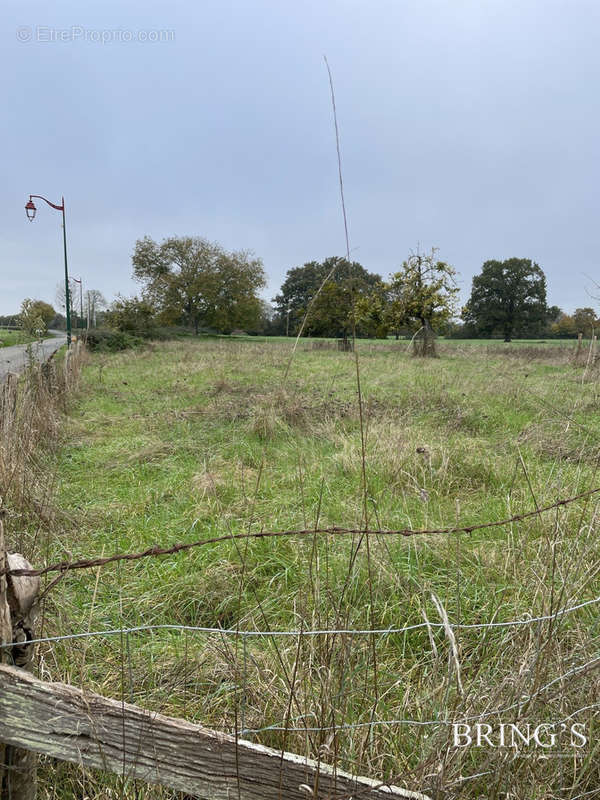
<point>101,340</point>
<point>132,316</point>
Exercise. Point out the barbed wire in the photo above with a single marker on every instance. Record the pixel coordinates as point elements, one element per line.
<point>305,633</point>
<point>156,550</point>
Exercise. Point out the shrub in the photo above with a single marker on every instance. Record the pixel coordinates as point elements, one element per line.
<point>133,316</point>
<point>103,340</point>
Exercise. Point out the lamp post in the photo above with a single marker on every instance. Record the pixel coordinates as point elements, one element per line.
<point>30,210</point>
<point>80,282</point>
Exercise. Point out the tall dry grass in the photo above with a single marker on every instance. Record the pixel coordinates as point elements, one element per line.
<point>31,405</point>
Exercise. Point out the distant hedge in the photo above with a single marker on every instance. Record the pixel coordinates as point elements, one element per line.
<point>103,340</point>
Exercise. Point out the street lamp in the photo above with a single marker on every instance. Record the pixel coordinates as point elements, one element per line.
<point>80,282</point>
<point>30,210</point>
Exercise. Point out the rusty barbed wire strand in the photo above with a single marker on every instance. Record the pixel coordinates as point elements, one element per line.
<point>155,550</point>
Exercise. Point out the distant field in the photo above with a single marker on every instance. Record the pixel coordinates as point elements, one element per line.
<point>541,341</point>
<point>11,337</point>
<point>8,337</point>
<point>516,342</point>
<point>199,438</point>
<point>441,340</point>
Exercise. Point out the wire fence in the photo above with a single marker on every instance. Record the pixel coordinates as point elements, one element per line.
<point>343,726</point>
<point>156,550</point>
<point>249,634</point>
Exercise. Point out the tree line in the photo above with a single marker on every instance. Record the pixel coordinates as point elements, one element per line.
<point>36,317</point>
<point>189,281</point>
<point>507,300</point>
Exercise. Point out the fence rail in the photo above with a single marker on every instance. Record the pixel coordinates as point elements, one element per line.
<point>84,728</point>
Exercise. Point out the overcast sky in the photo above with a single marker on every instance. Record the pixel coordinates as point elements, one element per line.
<point>471,125</point>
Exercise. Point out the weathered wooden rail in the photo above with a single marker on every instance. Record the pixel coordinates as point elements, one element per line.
<point>84,728</point>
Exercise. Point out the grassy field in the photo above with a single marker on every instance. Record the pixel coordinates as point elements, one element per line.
<point>10,337</point>
<point>188,440</point>
<point>444,343</point>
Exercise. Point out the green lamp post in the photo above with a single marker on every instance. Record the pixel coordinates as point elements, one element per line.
<point>30,210</point>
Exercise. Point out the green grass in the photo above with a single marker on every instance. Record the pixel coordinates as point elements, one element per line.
<point>12,337</point>
<point>568,342</point>
<point>198,438</point>
<point>9,338</point>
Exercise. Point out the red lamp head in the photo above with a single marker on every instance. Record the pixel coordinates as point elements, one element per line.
<point>30,210</point>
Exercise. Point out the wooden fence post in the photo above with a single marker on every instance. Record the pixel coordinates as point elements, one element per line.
<point>8,402</point>
<point>17,617</point>
<point>579,346</point>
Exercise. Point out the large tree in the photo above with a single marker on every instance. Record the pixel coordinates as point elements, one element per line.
<point>189,279</point>
<point>329,291</point>
<point>45,310</point>
<point>585,320</point>
<point>35,316</point>
<point>421,295</point>
<point>508,297</point>
<point>564,326</point>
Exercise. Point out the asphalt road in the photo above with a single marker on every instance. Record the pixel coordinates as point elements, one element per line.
<point>14,359</point>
